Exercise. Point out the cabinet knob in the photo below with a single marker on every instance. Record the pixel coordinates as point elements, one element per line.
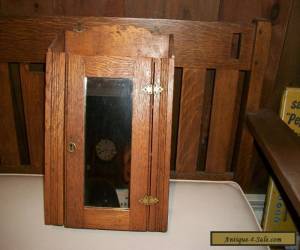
<point>71,147</point>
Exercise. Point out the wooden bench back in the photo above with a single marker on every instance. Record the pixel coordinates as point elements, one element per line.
<point>213,141</point>
<point>219,77</point>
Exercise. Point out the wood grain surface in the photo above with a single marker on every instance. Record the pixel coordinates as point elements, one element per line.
<point>278,13</point>
<point>195,44</point>
<point>140,148</point>
<point>107,66</point>
<point>223,121</point>
<point>74,133</point>
<point>205,121</point>
<point>288,69</point>
<point>161,144</point>
<point>254,93</point>
<point>191,114</point>
<point>54,138</point>
<point>281,146</point>
<point>188,9</point>
<point>76,215</point>
<point>117,219</point>
<point>123,40</point>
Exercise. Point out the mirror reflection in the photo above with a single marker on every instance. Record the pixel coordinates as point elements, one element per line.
<point>108,142</point>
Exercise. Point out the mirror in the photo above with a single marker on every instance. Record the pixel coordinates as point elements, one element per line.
<point>108,125</point>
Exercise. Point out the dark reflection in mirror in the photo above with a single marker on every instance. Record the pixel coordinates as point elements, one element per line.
<point>108,142</point>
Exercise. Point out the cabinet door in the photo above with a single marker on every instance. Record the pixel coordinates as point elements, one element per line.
<point>107,136</point>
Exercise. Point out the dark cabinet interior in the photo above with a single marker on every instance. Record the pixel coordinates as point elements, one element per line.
<point>108,141</point>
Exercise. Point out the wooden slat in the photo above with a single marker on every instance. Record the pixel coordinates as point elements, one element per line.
<point>281,147</point>
<point>259,64</point>
<point>223,121</point>
<point>54,138</point>
<point>32,84</point>
<point>75,162</point>
<point>206,44</point>
<point>191,112</point>
<point>9,151</point>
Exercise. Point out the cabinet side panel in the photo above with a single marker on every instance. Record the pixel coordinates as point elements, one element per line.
<point>161,144</point>
<point>140,149</point>
<point>75,116</point>
<point>170,64</point>
<point>54,138</point>
<point>155,145</point>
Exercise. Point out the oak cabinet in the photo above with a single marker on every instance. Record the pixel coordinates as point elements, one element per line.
<point>108,117</point>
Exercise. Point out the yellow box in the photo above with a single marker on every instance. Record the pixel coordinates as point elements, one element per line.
<point>290,108</point>
<point>276,217</point>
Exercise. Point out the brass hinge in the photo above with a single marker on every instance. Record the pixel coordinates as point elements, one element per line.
<point>157,89</point>
<point>152,89</point>
<point>148,89</point>
<point>148,200</point>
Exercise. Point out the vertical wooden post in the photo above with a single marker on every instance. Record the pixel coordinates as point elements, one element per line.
<point>258,68</point>
<point>54,138</point>
<point>161,144</point>
<point>74,133</point>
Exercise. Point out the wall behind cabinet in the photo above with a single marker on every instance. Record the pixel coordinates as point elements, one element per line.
<point>172,9</point>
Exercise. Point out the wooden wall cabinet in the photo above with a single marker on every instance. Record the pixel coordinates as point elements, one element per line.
<point>108,119</point>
